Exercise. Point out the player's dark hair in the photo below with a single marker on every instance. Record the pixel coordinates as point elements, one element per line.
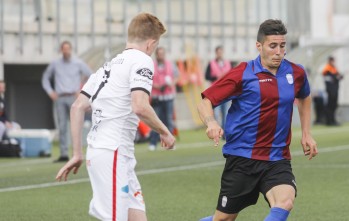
<point>330,59</point>
<point>271,27</point>
<point>66,43</point>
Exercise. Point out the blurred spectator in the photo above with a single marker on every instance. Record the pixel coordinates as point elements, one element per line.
<point>319,99</point>
<point>216,69</point>
<point>163,92</point>
<point>67,73</point>
<point>5,123</point>
<point>332,78</point>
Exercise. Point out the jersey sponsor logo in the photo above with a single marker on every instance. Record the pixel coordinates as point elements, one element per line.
<point>266,80</point>
<point>224,201</point>
<point>145,81</point>
<point>145,72</point>
<point>289,78</point>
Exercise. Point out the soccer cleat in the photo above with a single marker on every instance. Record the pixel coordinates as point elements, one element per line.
<point>209,218</point>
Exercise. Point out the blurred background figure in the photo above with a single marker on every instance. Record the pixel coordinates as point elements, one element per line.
<point>216,69</point>
<point>5,123</point>
<point>319,100</point>
<point>39,5</point>
<point>66,73</point>
<point>163,92</point>
<point>332,78</point>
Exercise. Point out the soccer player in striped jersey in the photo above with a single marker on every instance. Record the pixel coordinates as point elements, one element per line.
<point>118,94</point>
<point>258,127</point>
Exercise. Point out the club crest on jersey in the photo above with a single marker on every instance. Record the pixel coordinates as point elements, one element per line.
<point>289,78</point>
<point>224,201</point>
<point>145,72</point>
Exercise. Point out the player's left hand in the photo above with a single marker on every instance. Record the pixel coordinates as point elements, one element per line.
<point>309,146</point>
<point>73,164</point>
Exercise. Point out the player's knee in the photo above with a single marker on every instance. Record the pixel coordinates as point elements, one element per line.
<point>286,204</point>
<point>225,217</point>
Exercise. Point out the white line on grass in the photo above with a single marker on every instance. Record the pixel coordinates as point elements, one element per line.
<point>162,170</point>
<point>142,172</point>
<point>322,131</point>
<point>297,134</point>
<point>42,185</point>
<point>322,166</point>
<point>25,161</point>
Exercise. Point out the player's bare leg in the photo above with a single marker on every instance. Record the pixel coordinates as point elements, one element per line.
<point>136,215</point>
<point>220,216</point>
<point>281,200</point>
<point>281,196</point>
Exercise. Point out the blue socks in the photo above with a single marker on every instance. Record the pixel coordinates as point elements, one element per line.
<point>209,218</point>
<point>277,214</point>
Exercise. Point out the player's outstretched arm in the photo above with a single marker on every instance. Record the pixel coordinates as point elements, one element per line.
<point>213,131</point>
<point>308,143</point>
<point>142,108</point>
<point>77,114</point>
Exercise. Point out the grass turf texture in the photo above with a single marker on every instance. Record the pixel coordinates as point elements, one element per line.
<point>187,194</point>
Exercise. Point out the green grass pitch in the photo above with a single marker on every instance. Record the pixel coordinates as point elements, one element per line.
<point>181,184</point>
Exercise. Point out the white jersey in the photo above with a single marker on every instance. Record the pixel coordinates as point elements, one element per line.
<point>114,124</point>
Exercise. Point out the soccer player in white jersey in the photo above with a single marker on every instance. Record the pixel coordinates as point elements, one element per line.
<point>118,94</point>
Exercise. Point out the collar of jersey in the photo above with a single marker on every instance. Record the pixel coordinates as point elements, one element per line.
<point>258,68</point>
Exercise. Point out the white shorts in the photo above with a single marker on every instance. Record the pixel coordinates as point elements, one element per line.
<point>115,186</point>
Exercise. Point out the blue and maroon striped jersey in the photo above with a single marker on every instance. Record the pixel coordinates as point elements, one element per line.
<point>258,124</point>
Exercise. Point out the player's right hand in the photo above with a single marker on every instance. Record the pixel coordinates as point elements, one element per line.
<point>73,164</point>
<point>167,141</point>
<point>214,132</point>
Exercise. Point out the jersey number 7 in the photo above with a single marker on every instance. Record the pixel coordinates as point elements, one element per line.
<point>105,77</point>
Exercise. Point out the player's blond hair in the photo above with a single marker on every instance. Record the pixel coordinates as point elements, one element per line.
<point>145,26</point>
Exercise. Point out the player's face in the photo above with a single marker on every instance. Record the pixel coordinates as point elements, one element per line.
<point>272,51</point>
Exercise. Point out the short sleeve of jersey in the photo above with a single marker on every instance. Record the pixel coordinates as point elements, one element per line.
<point>226,88</point>
<point>305,88</point>
<point>89,86</point>
<point>142,73</point>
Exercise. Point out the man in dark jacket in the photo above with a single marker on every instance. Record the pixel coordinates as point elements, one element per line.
<point>332,78</point>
